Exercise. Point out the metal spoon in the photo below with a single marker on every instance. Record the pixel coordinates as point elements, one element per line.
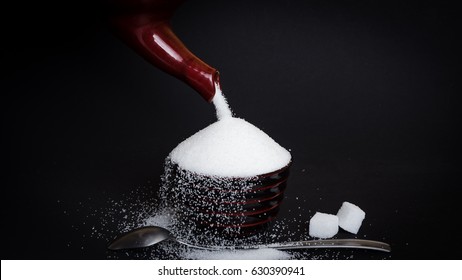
<point>150,235</point>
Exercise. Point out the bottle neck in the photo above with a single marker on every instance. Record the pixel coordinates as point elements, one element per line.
<point>148,32</point>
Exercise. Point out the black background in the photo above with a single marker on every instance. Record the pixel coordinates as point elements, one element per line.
<point>362,92</point>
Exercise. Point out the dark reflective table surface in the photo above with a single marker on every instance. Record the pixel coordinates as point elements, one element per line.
<point>363,95</point>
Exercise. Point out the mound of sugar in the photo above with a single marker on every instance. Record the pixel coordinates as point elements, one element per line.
<point>258,254</point>
<point>323,225</point>
<point>230,147</point>
<point>350,217</point>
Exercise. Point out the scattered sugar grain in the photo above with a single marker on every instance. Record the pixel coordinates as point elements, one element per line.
<point>162,219</point>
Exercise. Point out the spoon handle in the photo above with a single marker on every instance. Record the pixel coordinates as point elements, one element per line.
<point>331,243</point>
<point>311,244</point>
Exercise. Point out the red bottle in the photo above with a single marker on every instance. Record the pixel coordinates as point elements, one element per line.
<point>145,26</point>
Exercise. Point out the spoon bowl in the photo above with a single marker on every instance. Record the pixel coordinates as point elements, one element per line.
<point>140,238</point>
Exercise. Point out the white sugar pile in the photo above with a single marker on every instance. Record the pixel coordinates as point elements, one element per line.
<point>230,147</point>
<point>258,254</point>
<point>164,218</point>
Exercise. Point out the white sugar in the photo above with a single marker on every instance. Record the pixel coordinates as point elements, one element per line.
<point>258,254</point>
<point>230,147</point>
<point>221,105</point>
<point>323,225</point>
<point>350,217</point>
<point>164,218</point>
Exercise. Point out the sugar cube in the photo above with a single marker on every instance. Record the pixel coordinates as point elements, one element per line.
<point>323,225</point>
<point>350,217</point>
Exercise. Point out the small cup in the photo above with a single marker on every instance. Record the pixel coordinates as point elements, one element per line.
<point>230,207</point>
